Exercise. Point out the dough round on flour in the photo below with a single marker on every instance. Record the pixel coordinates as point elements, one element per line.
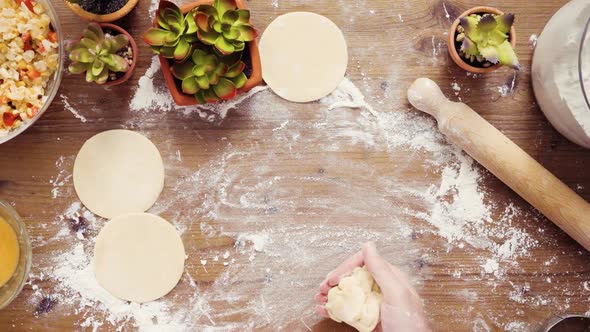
<point>356,301</point>
<point>304,56</point>
<point>118,172</point>
<point>138,257</point>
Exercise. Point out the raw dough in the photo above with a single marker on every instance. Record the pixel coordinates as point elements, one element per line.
<point>138,257</point>
<point>356,301</point>
<point>118,172</point>
<point>304,56</point>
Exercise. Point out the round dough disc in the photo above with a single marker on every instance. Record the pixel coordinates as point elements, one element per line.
<point>138,257</point>
<point>118,172</point>
<point>304,56</point>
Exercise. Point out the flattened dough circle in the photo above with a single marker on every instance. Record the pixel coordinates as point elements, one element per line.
<point>304,56</point>
<point>118,172</point>
<point>138,257</point>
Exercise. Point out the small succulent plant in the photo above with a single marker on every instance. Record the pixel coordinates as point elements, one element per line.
<point>484,39</point>
<point>223,26</point>
<point>96,54</point>
<point>209,77</point>
<point>175,34</point>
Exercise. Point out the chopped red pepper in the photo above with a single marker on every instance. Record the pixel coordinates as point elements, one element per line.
<point>52,36</point>
<point>28,3</point>
<point>33,74</point>
<point>28,40</point>
<point>9,118</point>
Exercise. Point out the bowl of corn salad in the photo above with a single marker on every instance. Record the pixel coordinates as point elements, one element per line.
<point>31,63</point>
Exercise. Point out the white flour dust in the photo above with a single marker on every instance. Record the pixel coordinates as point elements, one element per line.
<point>246,184</point>
<point>72,110</point>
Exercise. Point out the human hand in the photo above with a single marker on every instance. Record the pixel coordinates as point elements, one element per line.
<point>401,309</point>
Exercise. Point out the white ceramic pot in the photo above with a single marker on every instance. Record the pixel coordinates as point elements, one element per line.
<point>561,71</point>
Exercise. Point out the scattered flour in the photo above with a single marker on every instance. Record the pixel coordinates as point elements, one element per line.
<point>533,41</point>
<point>74,111</point>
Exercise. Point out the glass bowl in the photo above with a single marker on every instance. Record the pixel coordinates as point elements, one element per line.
<point>13,287</point>
<point>53,84</point>
<point>561,71</point>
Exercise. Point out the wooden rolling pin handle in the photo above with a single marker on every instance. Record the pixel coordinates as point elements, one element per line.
<point>512,165</point>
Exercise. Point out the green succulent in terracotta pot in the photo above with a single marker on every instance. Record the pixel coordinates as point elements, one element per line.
<point>97,54</point>
<point>224,26</point>
<point>209,77</point>
<point>175,34</point>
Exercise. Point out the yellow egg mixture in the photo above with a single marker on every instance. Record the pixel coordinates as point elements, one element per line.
<point>9,252</point>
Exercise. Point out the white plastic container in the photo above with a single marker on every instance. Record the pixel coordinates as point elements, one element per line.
<point>561,71</point>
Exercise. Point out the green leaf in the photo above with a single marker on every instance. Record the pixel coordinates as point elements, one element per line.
<point>244,16</point>
<point>190,86</point>
<point>224,47</point>
<point>217,26</point>
<point>225,89</point>
<point>247,33</point>
<point>202,21</point>
<point>239,45</point>
<point>78,67</point>
<point>223,6</point>
<point>95,30</point>
<point>507,56</point>
<point>207,9</point>
<point>505,22</point>
<point>200,97</point>
<point>487,23</point>
<point>235,69</point>
<point>89,76</point>
<point>115,63</point>
<point>469,23</point>
<point>490,53</point>
<point>157,37</point>
<point>240,80</point>
<point>82,55</point>
<point>230,17</point>
<point>118,42</point>
<point>183,70</point>
<point>232,33</point>
<point>198,56</point>
<point>469,47</point>
<point>203,82</point>
<point>102,77</point>
<point>97,67</point>
<point>182,51</point>
<point>210,96</point>
<point>213,78</point>
<point>208,38</point>
<point>167,52</point>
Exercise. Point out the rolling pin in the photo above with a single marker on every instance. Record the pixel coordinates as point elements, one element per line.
<point>508,162</point>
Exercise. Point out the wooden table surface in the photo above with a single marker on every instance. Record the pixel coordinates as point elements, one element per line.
<point>391,43</point>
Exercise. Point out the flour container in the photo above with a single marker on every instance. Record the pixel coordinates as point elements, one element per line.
<point>561,71</point>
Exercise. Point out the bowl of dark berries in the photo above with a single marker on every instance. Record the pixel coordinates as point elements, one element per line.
<point>102,11</point>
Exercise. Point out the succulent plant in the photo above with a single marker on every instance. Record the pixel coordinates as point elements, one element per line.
<point>210,77</point>
<point>485,38</point>
<point>223,26</point>
<point>175,34</point>
<point>96,55</point>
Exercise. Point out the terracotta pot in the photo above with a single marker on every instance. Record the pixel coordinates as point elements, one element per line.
<point>183,99</point>
<point>88,16</point>
<point>133,45</point>
<point>453,34</point>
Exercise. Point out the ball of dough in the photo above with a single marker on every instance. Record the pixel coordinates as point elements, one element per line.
<point>118,172</point>
<point>356,301</point>
<point>304,56</point>
<point>138,257</point>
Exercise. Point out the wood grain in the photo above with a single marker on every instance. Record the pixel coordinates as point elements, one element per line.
<point>391,44</point>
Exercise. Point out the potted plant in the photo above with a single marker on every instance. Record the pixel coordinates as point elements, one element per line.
<point>102,11</point>
<point>105,53</point>
<point>482,40</point>
<point>208,50</point>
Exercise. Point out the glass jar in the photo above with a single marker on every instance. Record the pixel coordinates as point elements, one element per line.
<point>561,71</point>
<point>10,290</point>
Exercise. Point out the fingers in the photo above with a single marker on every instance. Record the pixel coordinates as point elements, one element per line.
<point>321,310</point>
<point>321,298</point>
<point>345,268</point>
<point>390,280</point>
